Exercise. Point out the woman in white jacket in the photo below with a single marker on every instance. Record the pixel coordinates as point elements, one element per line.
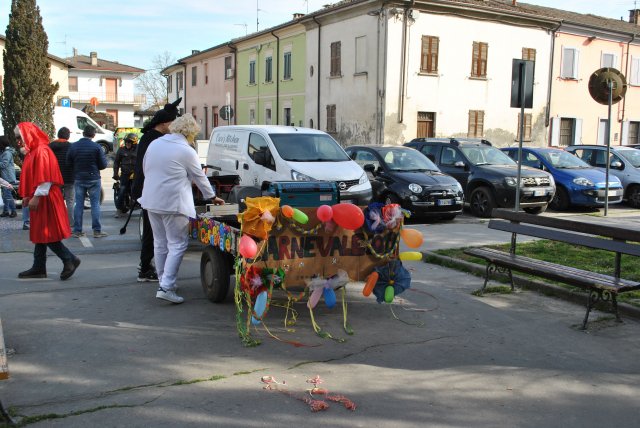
<point>170,166</point>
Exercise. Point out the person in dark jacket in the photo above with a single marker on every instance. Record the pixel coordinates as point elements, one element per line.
<point>60,147</point>
<point>87,159</point>
<point>157,127</point>
<point>123,167</point>
<point>7,173</point>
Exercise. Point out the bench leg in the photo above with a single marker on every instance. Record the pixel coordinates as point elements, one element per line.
<point>594,296</point>
<point>614,305</point>
<point>492,267</point>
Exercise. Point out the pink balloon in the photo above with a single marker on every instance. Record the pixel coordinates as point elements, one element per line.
<point>247,247</point>
<point>348,216</point>
<point>324,213</point>
<point>315,297</point>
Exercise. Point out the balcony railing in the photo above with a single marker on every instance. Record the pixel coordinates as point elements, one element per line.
<point>108,97</point>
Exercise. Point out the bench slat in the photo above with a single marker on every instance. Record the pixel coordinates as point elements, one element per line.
<point>573,276</point>
<point>568,237</point>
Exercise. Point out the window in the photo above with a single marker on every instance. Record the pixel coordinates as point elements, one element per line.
<point>194,75</point>
<point>180,80</point>
<point>609,60</point>
<point>449,156</point>
<point>566,131</point>
<point>259,150</point>
<point>634,77</point>
<point>527,127</point>
<point>361,54</point>
<point>252,72</point>
<point>73,84</point>
<point>429,61</point>
<point>287,116</point>
<point>476,124</point>
<point>267,116</point>
<point>268,63</point>
<point>252,116</point>
<point>569,66</point>
<point>429,151</point>
<point>528,54</point>
<point>634,128</point>
<point>228,74</point>
<point>335,60</point>
<point>193,112</point>
<point>363,158</point>
<point>331,118</point>
<point>287,66</point>
<point>479,61</point>
<point>426,124</point>
<point>169,83</point>
<point>206,73</point>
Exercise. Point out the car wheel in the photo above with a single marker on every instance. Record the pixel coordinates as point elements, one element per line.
<point>482,202</point>
<point>633,197</point>
<point>560,201</point>
<point>215,269</point>
<point>535,210</point>
<point>104,148</point>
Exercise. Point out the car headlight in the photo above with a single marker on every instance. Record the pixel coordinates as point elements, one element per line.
<point>298,176</point>
<point>582,181</point>
<point>415,188</point>
<point>511,181</point>
<point>363,179</point>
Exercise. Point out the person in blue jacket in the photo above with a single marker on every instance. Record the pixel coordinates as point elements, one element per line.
<point>7,173</point>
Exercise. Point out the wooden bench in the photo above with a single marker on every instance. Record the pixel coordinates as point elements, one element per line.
<point>600,287</point>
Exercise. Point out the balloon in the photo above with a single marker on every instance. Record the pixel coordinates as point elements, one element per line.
<point>371,282</point>
<point>247,247</point>
<point>299,216</point>
<point>413,256</point>
<point>412,237</point>
<point>287,211</point>
<point>315,297</point>
<point>348,216</point>
<point>329,297</point>
<point>324,213</point>
<point>389,294</point>
<point>259,306</point>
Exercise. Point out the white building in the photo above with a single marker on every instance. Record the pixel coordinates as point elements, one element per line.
<point>107,85</point>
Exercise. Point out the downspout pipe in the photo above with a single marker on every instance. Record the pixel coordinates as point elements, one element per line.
<point>277,77</point>
<point>234,50</point>
<point>318,75</point>
<point>547,116</point>
<point>403,65</point>
<point>184,84</point>
<point>627,72</point>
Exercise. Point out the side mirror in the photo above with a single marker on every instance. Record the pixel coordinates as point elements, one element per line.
<point>260,157</point>
<point>369,168</point>
<point>616,165</point>
<point>459,164</point>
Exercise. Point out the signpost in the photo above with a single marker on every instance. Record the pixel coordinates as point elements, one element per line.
<point>226,113</point>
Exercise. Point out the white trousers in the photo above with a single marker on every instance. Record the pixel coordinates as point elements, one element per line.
<point>170,241</point>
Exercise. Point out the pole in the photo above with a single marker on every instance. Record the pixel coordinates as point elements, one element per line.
<point>523,96</point>
<point>606,186</point>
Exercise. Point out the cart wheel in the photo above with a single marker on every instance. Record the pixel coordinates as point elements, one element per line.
<point>215,274</point>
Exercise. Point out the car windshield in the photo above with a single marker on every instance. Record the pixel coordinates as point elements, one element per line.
<point>402,159</point>
<point>308,148</point>
<point>486,155</point>
<point>564,160</point>
<point>632,155</point>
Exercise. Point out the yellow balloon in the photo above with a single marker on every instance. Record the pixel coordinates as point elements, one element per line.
<point>412,256</point>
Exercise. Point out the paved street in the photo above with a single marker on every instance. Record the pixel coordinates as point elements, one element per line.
<point>102,351</point>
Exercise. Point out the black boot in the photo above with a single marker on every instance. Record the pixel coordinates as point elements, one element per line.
<point>69,268</point>
<point>33,273</point>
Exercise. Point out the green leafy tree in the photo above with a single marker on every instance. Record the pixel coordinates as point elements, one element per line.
<point>28,90</point>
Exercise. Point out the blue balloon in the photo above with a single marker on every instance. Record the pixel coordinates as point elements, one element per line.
<point>259,306</point>
<point>329,297</point>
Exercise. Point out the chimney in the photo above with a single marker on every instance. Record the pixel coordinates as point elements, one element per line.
<point>514,3</point>
<point>94,58</point>
<point>298,15</point>
<point>634,14</point>
<point>75,52</point>
<point>195,51</point>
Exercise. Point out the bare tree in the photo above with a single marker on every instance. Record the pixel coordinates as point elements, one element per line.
<point>152,83</point>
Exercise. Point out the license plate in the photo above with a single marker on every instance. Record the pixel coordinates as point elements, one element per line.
<point>444,202</point>
<point>347,201</point>
<point>539,192</point>
<point>613,193</point>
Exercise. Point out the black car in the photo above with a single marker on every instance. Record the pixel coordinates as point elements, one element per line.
<point>487,175</point>
<point>402,175</point>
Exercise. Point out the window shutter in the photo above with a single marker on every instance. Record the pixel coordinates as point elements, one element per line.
<point>577,135</point>
<point>471,126</point>
<point>484,52</point>
<point>555,131</point>
<point>624,137</point>
<point>635,71</point>
<point>474,58</point>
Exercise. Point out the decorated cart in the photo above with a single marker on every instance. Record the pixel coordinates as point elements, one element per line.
<point>309,253</point>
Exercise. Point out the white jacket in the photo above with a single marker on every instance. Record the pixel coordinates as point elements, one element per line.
<point>170,165</point>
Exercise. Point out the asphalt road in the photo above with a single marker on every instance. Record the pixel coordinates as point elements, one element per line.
<point>100,350</point>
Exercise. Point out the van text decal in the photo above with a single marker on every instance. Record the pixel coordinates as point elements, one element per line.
<point>227,141</point>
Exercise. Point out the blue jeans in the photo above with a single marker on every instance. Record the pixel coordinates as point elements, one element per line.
<point>92,188</point>
<point>8,201</point>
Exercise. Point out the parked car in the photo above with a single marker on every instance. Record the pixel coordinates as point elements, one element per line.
<point>577,183</point>
<point>403,176</point>
<point>624,164</point>
<point>487,175</point>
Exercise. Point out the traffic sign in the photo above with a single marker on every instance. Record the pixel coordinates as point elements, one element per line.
<point>65,102</point>
<point>226,112</point>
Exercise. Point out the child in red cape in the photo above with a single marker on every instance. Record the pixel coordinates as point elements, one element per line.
<point>40,182</point>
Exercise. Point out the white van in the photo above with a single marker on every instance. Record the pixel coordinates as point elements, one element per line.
<point>76,120</point>
<point>267,153</point>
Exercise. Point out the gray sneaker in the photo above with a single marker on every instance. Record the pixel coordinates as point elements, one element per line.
<point>98,234</point>
<point>78,234</point>
<point>168,295</point>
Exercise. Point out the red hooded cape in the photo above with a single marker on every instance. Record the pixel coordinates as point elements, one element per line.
<point>49,223</point>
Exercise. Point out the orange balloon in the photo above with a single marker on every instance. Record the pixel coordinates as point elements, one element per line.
<point>371,282</point>
<point>287,211</point>
<point>412,237</point>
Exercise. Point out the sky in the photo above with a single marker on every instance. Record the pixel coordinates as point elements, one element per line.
<point>134,32</point>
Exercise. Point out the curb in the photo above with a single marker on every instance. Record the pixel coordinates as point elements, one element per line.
<point>529,284</point>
